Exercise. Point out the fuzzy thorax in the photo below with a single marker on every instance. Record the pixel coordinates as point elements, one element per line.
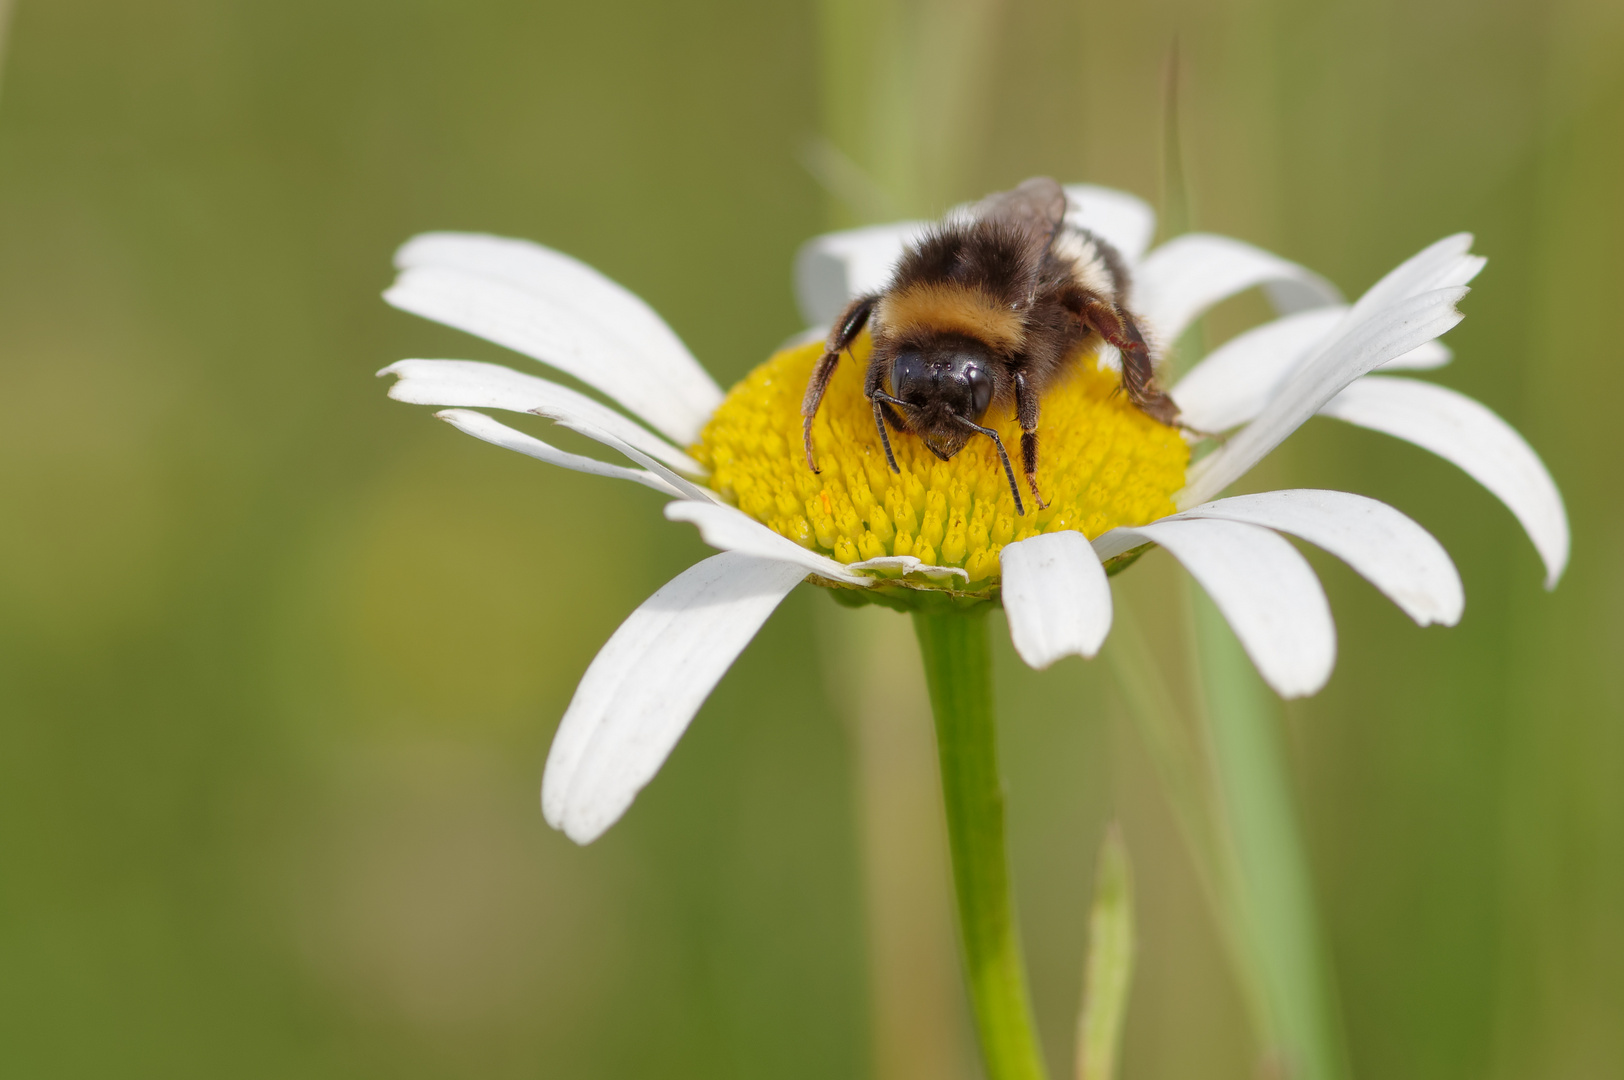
<point>1103,464</point>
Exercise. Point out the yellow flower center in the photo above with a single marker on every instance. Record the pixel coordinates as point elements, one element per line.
<point>1102,463</point>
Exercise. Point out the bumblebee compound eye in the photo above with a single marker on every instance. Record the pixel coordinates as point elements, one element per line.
<point>971,372</point>
<point>911,378</point>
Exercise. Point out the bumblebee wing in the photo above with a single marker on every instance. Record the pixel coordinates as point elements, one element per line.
<point>1037,207</point>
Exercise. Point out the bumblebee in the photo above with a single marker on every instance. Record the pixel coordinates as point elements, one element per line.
<point>989,309</point>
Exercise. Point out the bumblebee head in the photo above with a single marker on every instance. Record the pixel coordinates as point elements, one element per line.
<point>943,386</point>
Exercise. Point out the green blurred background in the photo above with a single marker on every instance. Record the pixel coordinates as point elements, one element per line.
<point>280,660</point>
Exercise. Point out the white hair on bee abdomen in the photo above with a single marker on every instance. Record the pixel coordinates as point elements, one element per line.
<point>1092,272</point>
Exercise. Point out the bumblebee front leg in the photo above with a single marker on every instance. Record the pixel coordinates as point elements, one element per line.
<point>1138,371</point>
<point>843,333</point>
<point>1026,411</point>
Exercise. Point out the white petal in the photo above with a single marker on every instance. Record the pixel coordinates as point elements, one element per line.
<point>562,312</point>
<point>648,681</point>
<point>804,337</point>
<point>1427,357</point>
<point>1056,597</point>
<point>733,530</point>
<point>1190,273</point>
<point>1361,346</point>
<point>907,564</point>
<point>1442,265</point>
<point>832,269</point>
<point>684,486</point>
<point>1231,385</point>
<point>1385,547</point>
<point>483,427</point>
<point>470,384</point>
<point>1124,221</point>
<point>1468,433</point>
<point>1264,587</point>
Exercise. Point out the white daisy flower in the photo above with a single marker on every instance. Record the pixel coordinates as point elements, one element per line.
<point>945,533</point>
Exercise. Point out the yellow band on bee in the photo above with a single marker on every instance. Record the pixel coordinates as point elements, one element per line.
<point>936,306</point>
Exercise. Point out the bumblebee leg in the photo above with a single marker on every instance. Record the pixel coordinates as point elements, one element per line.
<point>815,386</point>
<point>844,332</point>
<point>874,390</point>
<point>1138,372</point>
<point>885,437</point>
<point>1026,411</point>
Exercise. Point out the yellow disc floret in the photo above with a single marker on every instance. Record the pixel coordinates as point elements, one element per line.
<point>1103,463</point>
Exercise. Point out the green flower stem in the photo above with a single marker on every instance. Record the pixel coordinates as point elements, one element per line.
<point>958,670</point>
<point>1275,901</point>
